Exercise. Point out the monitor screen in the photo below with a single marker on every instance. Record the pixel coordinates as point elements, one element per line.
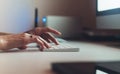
<point>105,7</point>
<point>108,14</point>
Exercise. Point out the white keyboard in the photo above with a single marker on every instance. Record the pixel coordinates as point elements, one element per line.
<point>63,47</point>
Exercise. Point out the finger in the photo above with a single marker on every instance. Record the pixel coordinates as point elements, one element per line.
<point>45,42</point>
<point>52,38</point>
<point>40,43</point>
<point>51,30</point>
<point>45,38</point>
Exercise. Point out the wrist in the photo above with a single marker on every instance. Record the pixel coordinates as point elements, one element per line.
<point>30,31</point>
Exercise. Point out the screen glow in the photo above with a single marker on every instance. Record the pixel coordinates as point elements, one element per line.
<point>44,20</point>
<point>104,5</point>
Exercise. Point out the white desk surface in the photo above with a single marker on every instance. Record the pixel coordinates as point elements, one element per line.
<point>40,62</point>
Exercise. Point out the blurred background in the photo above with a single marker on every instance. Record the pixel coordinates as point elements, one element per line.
<point>94,24</point>
<point>89,18</point>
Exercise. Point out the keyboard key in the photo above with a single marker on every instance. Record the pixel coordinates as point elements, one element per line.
<point>63,47</point>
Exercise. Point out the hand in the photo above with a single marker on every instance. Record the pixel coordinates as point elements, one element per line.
<point>45,33</point>
<point>29,38</point>
<point>39,35</point>
<point>44,36</point>
<point>20,40</point>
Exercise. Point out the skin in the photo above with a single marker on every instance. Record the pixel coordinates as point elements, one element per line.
<point>40,35</point>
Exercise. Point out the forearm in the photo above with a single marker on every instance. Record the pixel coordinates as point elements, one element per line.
<point>15,40</point>
<point>2,33</point>
<point>11,41</point>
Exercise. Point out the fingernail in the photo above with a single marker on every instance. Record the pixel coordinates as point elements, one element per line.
<point>59,33</point>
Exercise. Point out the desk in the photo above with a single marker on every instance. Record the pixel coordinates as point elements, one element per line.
<point>40,62</point>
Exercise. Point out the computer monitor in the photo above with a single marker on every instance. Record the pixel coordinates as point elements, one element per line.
<point>105,7</point>
<point>108,14</point>
<point>16,16</point>
<point>69,26</point>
